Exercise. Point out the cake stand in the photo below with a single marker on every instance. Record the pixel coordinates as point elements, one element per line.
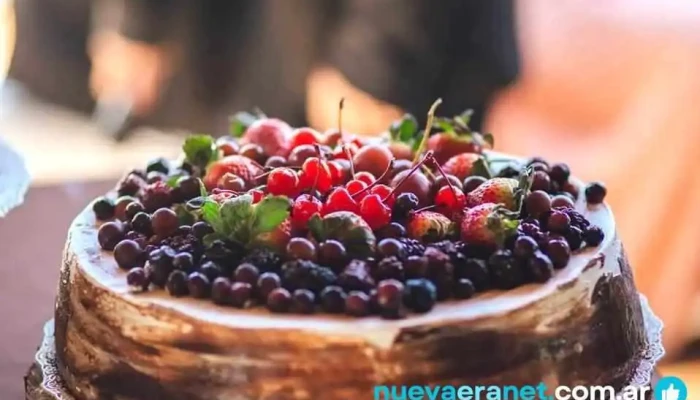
<point>14,179</point>
<point>43,381</point>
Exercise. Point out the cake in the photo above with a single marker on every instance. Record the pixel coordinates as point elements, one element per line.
<point>288,264</point>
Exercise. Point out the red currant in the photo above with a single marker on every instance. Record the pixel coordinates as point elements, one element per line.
<point>283,181</point>
<point>365,177</point>
<point>384,192</point>
<point>450,198</point>
<point>340,200</point>
<point>374,211</point>
<point>355,186</point>
<point>305,206</point>
<point>257,195</point>
<point>315,173</point>
<point>302,136</point>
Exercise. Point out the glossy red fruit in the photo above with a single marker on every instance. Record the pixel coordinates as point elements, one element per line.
<point>315,174</point>
<point>355,186</point>
<point>373,158</point>
<point>339,174</point>
<point>340,153</point>
<point>304,135</point>
<point>257,195</point>
<point>340,200</point>
<point>449,198</point>
<point>331,137</point>
<point>269,133</point>
<point>365,177</point>
<point>305,206</point>
<point>384,192</point>
<point>243,167</point>
<point>283,181</point>
<point>227,147</point>
<point>417,183</point>
<point>374,211</point>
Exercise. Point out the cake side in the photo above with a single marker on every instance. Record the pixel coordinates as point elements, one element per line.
<point>582,326</point>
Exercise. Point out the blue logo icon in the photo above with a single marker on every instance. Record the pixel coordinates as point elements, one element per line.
<point>670,388</point>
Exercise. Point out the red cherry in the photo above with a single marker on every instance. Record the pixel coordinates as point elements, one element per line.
<point>355,186</point>
<point>365,177</point>
<point>315,173</point>
<point>305,206</point>
<point>340,153</point>
<point>450,198</point>
<point>302,136</point>
<point>283,181</point>
<point>340,200</point>
<point>384,192</point>
<point>338,172</point>
<point>374,211</point>
<point>257,195</point>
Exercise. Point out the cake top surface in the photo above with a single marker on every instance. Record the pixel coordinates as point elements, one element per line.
<point>417,227</point>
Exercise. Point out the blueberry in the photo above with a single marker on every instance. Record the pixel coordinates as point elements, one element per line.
<point>221,291</point>
<point>279,300</point>
<point>240,294</point>
<point>420,295</point>
<point>464,289</point>
<point>247,273</point>
<point>177,284</point>
<point>211,270</point>
<point>524,247</point>
<point>333,299</point>
<point>267,282</point>
<point>540,268</point>
<point>559,252</point>
<point>595,193</point>
<point>198,285</point>
<point>109,234</point>
<point>103,208</point>
<point>138,278</point>
<point>128,254</point>
<point>594,236</point>
<point>476,271</point>
<point>303,301</point>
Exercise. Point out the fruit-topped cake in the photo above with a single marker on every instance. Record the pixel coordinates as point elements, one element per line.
<point>282,263</point>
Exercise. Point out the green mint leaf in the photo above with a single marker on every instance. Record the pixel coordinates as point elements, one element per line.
<point>184,215</point>
<point>349,229</point>
<point>527,175</point>
<point>316,228</point>
<point>481,168</point>
<point>237,217</point>
<point>240,122</point>
<point>443,124</point>
<point>488,138</point>
<point>212,215</point>
<point>172,181</point>
<point>200,150</point>
<point>270,212</point>
<point>405,129</point>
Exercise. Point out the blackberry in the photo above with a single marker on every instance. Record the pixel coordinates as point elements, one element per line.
<point>103,208</point>
<point>177,284</point>
<point>420,295</point>
<point>412,247</point>
<point>357,276</point>
<point>504,272</point>
<point>227,254</point>
<point>303,274</point>
<point>574,236</point>
<point>184,244</point>
<point>389,268</point>
<point>130,185</point>
<point>156,195</point>
<point>264,259</point>
<point>577,219</point>
<point>476,271</point>
<point>453,250</point>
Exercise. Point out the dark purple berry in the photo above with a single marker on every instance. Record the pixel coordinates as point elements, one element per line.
<point>132,209</point>
<point>472,182</point>
<point>593,236</point>
<point>562,201</point>
<point>560,173</point>
<point>405,203</point>
<point>390,248</point>
<point>357,304</point>
<point>211,270</point>
<point>138,279</point>
<point>177,284</point>
<point>571,189</point>
<point>559,252</point>
<point>128,254</point>
<point>198,285</point>
<point>476,271</point>
<point>464,289</point>
<point>221,291</point>
<point>416,267</point>
<point>595,193</point>
<point>394,231</point>
<point>201,229</point>
<point>267,282</point>
<point>275,162</point>
<point>528,229</point>
<point>141,223</point>
<point>103,208</point>
<point>333,299</point>
<point>574,236</point>
<point>524,247</point>
<point>558,222</point>
<point>240,294</point>
<point>303,301</point>
<point>247,273</point>
<point>109,234</point>
<point>279,300</point>
<point>537,203</point>
<point>120,206</point>
<point>300,248</point>
<point>389,268</point>
<point>541,181</point>
<point>540,268</point>
<point>160,263</point>
<point>332,253</point>
<point>183,262</point>
<point>390,297</point>
<point>189,187</point>
<point>164,222</point>
<point>357,276</point>
<point>540,166</point>
<point>420,295</point>
<point>505,273</point>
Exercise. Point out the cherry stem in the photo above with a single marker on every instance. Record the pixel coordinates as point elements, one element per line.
<point>386,172</point>
<point>341,104</point>
<point>349,156</point>
<point>270,169</point>
<point>444,176</point>
<point>428,125</point>
<point>318,170</point>
<point>408,175</point>
<point>426,208</point>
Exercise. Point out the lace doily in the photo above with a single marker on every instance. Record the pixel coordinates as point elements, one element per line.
<point>14,179</point>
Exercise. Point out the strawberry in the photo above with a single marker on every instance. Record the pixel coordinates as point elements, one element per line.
<point>241,166</point>
<point>495,190</point>
<point>461,165</point>
<point>429,226</point>
<point>487,224</point>
<point>271,134</point>
<point>446,145</point>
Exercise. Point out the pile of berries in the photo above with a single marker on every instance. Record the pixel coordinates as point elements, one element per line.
<point>363,229</point>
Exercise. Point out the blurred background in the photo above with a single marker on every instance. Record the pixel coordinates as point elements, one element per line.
<point>91,88</point>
